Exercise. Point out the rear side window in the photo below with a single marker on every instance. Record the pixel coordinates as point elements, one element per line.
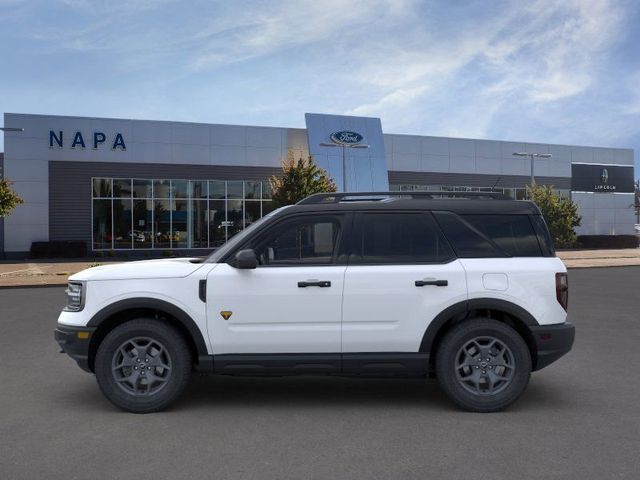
<point>401,238</point>
<point>514,234</point>
<point>467,241</point>
<point>544,238</point>
<point>481,236</point>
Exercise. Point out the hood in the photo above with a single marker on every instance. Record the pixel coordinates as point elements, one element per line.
<point>163,268</point>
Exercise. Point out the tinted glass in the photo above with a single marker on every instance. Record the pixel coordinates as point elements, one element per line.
<point>122,187</point>
<point>544,238</point>
<point>235,189</point>
<point>101,187</point>
<point>179,188</point>
<point>402,238</point>
<point>141,188</point>
<point>252,190</point>
<point>514,234</point>
<point>142,232</point>
<point>162,224</point>
<point>102,235</point>
<point>122,223</point>
<point>467,241</point>
<point>300,242</point>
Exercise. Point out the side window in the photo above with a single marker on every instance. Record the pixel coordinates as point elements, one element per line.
<point>401,238</point>
<point>514,234</point>
<point>467,241</point>
<point>544,238</point>
<point>299,242</point>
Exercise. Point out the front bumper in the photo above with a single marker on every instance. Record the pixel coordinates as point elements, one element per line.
<point>552,342</point>
<point>75,341</point>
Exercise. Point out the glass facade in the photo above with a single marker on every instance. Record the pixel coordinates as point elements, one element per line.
<point>517,193</point>
<point>133,213</point>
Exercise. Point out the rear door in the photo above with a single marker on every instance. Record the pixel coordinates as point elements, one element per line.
<point>401,274</point>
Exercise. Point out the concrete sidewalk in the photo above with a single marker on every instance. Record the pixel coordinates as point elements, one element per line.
<point>51,272</point>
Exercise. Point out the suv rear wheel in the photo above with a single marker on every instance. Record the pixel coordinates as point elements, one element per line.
<point>483,365</point>
<point>143,365</point>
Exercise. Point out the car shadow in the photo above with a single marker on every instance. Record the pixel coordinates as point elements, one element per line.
<point>315,392</point>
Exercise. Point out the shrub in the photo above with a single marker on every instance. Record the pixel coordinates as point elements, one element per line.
<point>560,213</point>
<point>300,178</point>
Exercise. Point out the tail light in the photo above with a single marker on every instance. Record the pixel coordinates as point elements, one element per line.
<point>562,289</point>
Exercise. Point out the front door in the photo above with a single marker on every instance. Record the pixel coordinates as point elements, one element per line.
<point>291,303</point>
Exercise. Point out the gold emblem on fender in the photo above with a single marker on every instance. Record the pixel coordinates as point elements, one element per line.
<point>226,314</point>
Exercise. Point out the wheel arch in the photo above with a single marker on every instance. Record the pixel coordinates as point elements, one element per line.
<point>504,311</point>
<point>119,312</point>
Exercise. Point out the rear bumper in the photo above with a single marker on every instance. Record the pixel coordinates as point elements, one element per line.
<point>552,342</point>
<point>74,341</point>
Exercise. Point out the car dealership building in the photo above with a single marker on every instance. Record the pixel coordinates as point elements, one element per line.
<point>138,185</point>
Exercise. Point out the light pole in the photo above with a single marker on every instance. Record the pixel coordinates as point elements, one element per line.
<point>344,158</point>
<point>11,129</point>
<point>531,157</point>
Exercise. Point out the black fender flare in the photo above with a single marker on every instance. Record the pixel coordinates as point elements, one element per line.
<point>461,309</point>
<point>153,303</point>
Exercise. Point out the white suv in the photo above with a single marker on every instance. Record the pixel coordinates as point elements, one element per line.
<point>466,288</point>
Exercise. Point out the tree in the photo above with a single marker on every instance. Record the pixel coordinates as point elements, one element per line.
<point>560,213</point>
<point>8,198</point>
<point>300,179</point>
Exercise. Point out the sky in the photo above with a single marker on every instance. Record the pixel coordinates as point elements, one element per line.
<point>565,71</point>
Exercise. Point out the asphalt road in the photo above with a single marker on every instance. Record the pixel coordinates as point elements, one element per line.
<point>579,419</point>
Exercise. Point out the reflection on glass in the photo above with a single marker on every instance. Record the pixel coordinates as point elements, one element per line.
<point>122,232</point>
<point>141,188</point>
<point>162,224</point>
<point>142,224</point>
<point>234,189</point>
<point>266,190</point>
<point>101,187</point>
<point>102,224</point>
<point>267,207</point>
<point>217,189</point>
<point>217,229</point>
<point>179,222</point>
<point>251,212</point>
<point>198,189</point>
<point>234,222</point>
<point>179,188</point>
<point>122,187</point>
<point>199,229</point>
<point>252,190</point>
<point>161,189</point>
<point>164,214</point>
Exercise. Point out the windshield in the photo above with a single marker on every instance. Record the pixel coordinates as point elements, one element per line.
<point>237,239</point>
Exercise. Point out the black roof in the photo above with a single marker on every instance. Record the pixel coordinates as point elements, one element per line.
<point>460,202</point>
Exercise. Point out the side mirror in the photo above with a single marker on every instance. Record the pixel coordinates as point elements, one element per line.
<point>246,259</point>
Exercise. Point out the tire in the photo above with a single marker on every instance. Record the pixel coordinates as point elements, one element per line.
<point>143,365</point>
<point>471,365</point>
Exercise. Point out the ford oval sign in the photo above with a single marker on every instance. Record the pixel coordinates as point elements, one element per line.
<point>346,137</point>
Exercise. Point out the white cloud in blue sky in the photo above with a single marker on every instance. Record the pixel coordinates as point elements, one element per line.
<point>549,71</point>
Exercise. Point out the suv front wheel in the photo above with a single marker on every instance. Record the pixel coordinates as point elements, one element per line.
<point>143,365</point>
<point>483,365</point>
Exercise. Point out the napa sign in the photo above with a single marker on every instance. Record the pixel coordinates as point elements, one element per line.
<point>98,139</point>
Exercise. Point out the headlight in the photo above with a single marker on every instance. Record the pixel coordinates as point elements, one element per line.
<point>75,297</point>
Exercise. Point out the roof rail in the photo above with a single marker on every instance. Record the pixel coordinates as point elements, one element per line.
<point>336,197</point>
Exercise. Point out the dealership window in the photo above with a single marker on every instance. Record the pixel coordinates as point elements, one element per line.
<point>516,193</point>
<point>133,213</point>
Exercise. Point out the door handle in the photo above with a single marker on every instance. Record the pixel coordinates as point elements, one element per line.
<point>314,283</point>
<point>437,283</point>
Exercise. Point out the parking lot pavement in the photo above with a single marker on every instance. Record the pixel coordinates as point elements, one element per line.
<point>579,419</point>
